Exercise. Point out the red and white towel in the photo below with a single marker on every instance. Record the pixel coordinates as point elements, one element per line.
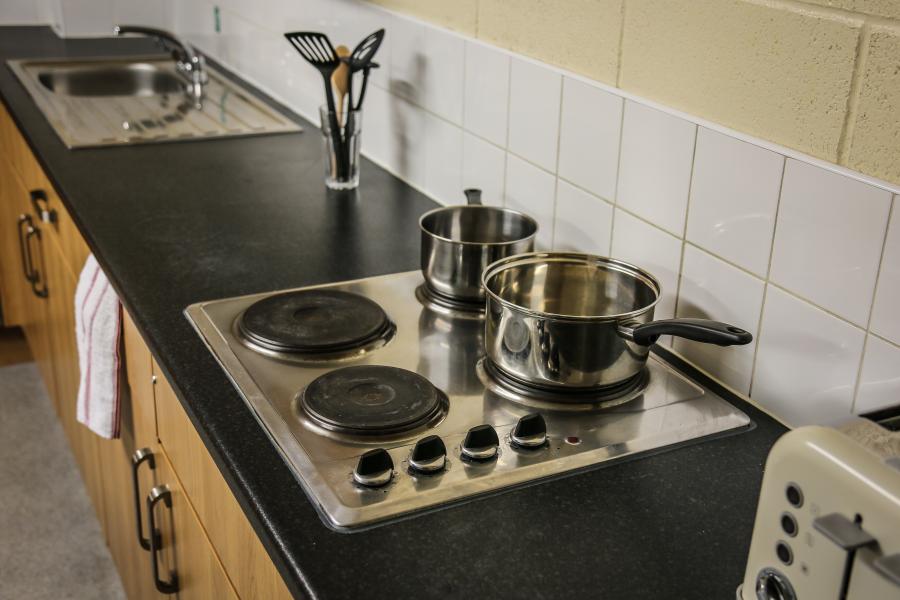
<point>98,327</point>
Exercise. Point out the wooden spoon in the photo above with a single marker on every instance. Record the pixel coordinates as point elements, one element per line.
<point>340,79</point>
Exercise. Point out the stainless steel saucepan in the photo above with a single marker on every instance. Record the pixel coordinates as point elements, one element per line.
<point>459,242</point>
<point>576,321</point>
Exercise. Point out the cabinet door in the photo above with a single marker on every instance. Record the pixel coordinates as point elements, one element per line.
<point>14,288</point>
<point>186,554</point>
<point>59,321</point>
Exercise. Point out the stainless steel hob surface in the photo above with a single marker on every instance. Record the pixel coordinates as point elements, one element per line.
<point>444,346</point>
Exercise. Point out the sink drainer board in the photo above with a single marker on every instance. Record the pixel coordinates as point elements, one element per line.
<point>133,100</point>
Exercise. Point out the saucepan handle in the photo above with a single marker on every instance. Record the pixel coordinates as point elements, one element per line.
<point>473,196</point>
<point>698,330</point>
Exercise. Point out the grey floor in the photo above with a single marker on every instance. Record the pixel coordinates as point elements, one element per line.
<point>51,544</point>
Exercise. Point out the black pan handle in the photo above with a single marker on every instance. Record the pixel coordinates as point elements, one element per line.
<point>699,330</point>
<point>473,196</point>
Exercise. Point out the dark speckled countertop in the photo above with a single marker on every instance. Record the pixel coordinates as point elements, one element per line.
<point>173,224</point>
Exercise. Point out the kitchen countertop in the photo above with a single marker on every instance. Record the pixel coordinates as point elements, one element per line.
<point>173,224</point>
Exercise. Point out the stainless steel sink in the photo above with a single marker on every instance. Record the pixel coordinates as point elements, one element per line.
<point>135,79</point>
<point>100,102</point>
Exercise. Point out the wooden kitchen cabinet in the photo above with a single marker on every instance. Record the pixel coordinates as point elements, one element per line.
<point>205,537</point>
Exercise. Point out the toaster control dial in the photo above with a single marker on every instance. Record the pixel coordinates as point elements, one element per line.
<point>771,584</point>
<point>429,455</point>
<point>374,469</point>
<point>530,432</point>
<point>481,443</point>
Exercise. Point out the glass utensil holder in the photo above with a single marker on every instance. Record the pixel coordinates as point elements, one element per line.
<point>341,146</point>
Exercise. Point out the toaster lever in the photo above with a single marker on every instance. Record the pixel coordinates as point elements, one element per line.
<point>843,532</point>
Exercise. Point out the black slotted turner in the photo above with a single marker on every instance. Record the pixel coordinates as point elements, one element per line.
<point>361,60</point>
<point>317,50</point>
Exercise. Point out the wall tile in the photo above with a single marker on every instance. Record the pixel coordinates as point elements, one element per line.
<point>405,155</point>
<point>807,361</point>
<point>886,311</point>
<point>580,35</point>
<point>19,12</point>
<point>655,167</point>
<point>879,384</point>
<point>443,161</point>
<point>87,17</point>
<point>768,69</point>
<point>531,191</point>
<point>713,289</point>
<point>487,92</point>
<point>589,137</point>
<point>407,60</point>
<point>734,198</point>
<point>151,13</point>
<point>583,222</point>
<point>873,148</point>
<point>828,239</point>
<point>444,65</point>
<point>377,135</point>
<point>534,113</point>
<point>652,249</point>
<point>484,167</point>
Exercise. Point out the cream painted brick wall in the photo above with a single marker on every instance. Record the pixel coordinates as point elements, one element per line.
<point>875,143</point>
<point>579,35</point>
<point>458,15</point>
<point>773,72</point>
<point>878,8</point>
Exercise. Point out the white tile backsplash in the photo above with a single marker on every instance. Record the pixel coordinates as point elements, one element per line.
<point>583,222</point>
<point>734,197</point>
<point>484,167</point>
<point>652,249</point>
<point>807,363</point>
<point>487,92</point>
<point>886,311</point>
<point>534,102</point>
<point>713,289</point>
<point>443,159</point>
<point>655,166</point>
<point>478,116</point>
<point>879,384</point>
<point>589,137</point>
<point>532,190</point>
<point>443,84</point>
<point>829,238</point>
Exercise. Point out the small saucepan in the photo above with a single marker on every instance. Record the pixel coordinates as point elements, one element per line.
<point>580,322</point>
<point>459,242</point>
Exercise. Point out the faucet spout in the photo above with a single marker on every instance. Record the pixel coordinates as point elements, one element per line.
<point>188,62</point>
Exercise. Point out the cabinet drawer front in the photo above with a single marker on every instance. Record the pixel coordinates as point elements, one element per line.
<point>243,555</point>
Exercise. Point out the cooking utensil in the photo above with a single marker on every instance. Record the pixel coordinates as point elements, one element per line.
<point>340,81</point>
<point>317,50</point>
<point>580,322</point>
<point>458,242</point>
<point>361,60</point>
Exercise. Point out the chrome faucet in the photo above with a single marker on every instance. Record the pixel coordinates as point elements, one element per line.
<point>188,62</point>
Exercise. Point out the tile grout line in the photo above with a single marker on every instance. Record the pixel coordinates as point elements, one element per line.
<point>687,212</point>
<point>853,98</point>
<point>615,200</point>
<point>620,57</point>
<point>559,118</point>
<point>506,152</point>
<point>766,282</point>
<point>862,359</point>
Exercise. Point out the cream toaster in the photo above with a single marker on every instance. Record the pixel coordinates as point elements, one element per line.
<point>828,522</point>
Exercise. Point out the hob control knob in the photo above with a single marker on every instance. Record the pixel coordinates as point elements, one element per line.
<point>374,469</point>
<point>429,455</point>
<point>481,443</point>
<point>530,432</point>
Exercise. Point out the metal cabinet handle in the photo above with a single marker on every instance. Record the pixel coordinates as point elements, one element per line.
<point>44,212</point>
<point>144,455</point>
<point>27,269</point>
<point>38,286</point>
<point>160,492</point>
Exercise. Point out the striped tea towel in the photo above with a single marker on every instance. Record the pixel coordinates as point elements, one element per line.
<point>98,327</point>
